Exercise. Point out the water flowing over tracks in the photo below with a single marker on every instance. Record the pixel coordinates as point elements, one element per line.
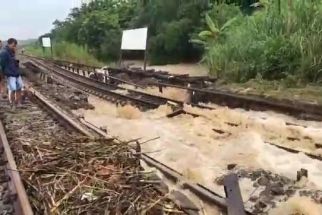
<point>181,201</point>
<point>175,174</point>
<point>112,93</point>
<point>196,86</point>
<point>109,92</point>
<point>199,190</point>
<point>67,170</point>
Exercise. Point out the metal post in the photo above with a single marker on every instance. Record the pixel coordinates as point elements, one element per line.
<point>105,76</point>
<point>146,51</point>
<point>160,89</point>
<point>120,60</point>
<point>51,48</point>
<point>145,60</point>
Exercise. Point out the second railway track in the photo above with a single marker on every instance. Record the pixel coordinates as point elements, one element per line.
<point>115,93</point>
<point>197,86</point>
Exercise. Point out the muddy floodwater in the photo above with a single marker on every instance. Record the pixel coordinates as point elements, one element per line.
<point>202,147</point>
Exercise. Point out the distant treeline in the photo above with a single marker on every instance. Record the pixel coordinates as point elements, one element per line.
<point>97,26</point>
<point>239,40</point>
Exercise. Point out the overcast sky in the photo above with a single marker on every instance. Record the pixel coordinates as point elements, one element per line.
<point>28,19</point>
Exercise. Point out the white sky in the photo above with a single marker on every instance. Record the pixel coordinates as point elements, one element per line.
<point>27,19</point>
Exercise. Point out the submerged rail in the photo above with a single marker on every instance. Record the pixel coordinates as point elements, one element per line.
<point>195,85</point>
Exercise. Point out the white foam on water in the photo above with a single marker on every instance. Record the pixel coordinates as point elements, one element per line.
<point>192,147</point>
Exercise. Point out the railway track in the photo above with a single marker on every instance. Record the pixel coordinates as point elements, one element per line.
<point>201,94</point>
<point>112,93</point>
<point>14,198</point>
<point>176,176</point>
<point>95,88</point>
<point>138,74</point>
<point>200,191</point>
<point>48,146</point>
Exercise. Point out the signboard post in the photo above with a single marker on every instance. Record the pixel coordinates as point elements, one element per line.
<point>46,43</point>
<point>135,39</point>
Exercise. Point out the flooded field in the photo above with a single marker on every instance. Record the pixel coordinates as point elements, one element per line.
<point>202,147</point>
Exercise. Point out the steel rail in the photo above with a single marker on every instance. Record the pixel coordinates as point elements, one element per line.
<point>125,89</point>
<point>180,111</point>
<point>295,108</point>
<point>91,84</point>
<point>285,106</point>
<point>21,205</point>
<point>60,113</point>
<point>199,190</point>
<point>133,93</point>
<point>276,145</point>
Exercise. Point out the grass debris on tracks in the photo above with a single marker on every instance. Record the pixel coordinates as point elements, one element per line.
<point>67,173</point>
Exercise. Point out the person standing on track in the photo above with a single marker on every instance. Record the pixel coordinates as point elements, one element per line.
<point>10,67</point>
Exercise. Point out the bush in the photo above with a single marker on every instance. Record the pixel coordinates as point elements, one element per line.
<point>172,44</point>
<point>267,43</point>
<point>109,49</point>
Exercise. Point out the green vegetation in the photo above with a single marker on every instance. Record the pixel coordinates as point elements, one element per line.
<point>172,23</point>
<point>65,51</point>
<point>279,42</point>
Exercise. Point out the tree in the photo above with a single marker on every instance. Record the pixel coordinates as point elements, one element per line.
<point>172,23</point>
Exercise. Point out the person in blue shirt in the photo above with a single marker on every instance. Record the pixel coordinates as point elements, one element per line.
<point>10,67</point>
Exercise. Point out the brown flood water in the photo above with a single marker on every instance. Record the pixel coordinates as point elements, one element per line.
<point>191,146</point>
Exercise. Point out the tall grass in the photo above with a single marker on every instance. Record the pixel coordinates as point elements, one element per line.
<point>270,44</point>
<point>65,51</point>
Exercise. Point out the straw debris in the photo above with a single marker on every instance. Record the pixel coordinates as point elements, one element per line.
<point>67,173</point>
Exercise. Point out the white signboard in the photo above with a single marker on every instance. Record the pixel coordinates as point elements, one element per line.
<point>46,42</point>
<point>134,39</point>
